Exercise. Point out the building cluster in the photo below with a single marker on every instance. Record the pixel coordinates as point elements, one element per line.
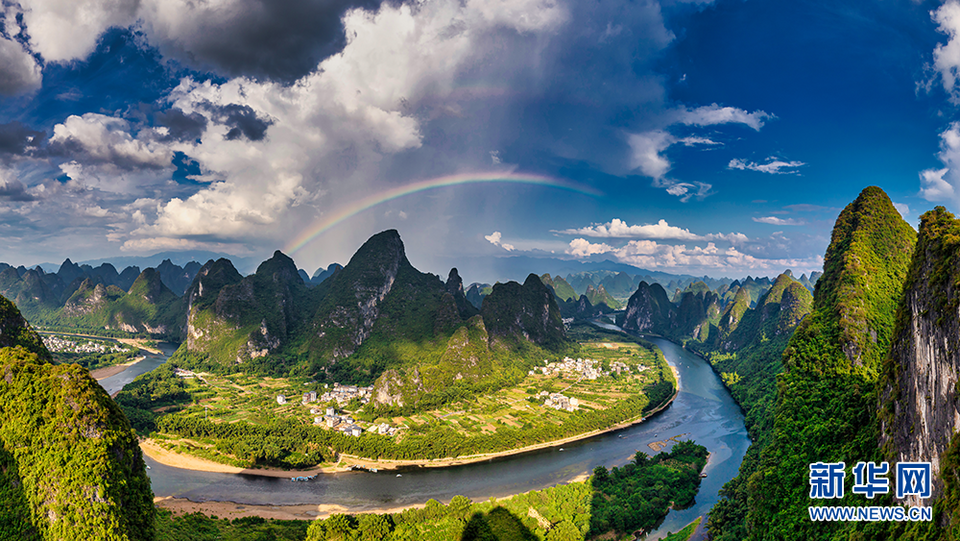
<point>57,343</point>
<point>587,368</point>
<point>346,424</point>
<point>620,368</point>
<point>345,393</point>
<point>181,373</point>
<point>383,429</point>
<point>558,401</point>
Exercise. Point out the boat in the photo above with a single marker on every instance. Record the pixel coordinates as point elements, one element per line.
<point>561,449</point>
<point>398,475</point>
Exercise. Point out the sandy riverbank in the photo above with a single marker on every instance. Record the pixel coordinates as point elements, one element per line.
<point>231,510</point>
<point>109,371</point>
<point>141,344</point>
<point>188,462</point>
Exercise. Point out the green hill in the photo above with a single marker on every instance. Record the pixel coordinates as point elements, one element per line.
<point>70,467</point>
<point>826,401</point>
<point>561,288</point>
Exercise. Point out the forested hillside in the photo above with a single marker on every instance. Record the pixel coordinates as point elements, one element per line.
<point>827,397</point>
<point>70,467</point>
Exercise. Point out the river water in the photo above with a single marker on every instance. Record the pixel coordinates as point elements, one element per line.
<point>149,362</point>
<point>703,410</point>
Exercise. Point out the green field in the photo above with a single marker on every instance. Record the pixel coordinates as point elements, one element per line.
<point>197,414</point>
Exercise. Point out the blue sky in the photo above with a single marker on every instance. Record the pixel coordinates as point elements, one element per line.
<point>724,137</point>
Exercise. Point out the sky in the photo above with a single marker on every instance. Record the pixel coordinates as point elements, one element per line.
<point>716,138</point>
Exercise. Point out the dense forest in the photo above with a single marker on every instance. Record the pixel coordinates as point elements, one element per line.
<point>70,466</point>
<point>631,498</point>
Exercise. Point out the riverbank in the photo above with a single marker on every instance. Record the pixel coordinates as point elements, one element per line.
<point>232,510</point>
<point>189,462</point>
<point>109,371</point>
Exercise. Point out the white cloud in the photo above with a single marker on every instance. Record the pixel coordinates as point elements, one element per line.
<point>773,220</point>
<point>714,114</point>
<point>693,141</point>
<point>946,57</point>
<point>647,148</point>
<point>584,248</point>
<point>64,30</point>
<point>332,130</point>
<point>661,230</point>
<point>943,184</point>
<point>494,238</point>
<point>902,208</point>
<point>105,139</point>
<point>649,254</point>
<point>646,151</point>
<point>19,72</point>
<point>773,166</point>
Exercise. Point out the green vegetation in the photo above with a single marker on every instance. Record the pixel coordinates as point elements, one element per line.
<point>290,442</point>
<point>638,495</point>
<point>70,467</point>
<point>200,527</point>
<point>148,308</point>
<point>563,290</point>
<point>826,407</point>
<point>89,353</point>
<point>14,331</point>
<point>234,418</point>
<point>610,504</point>
<point>685,533</point>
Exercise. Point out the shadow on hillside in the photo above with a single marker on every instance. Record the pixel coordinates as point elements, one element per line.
<point>497,525</point>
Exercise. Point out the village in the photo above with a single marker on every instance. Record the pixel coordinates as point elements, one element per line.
<point>60,344</point>
<point>330,419</point>
<point>587,368</point>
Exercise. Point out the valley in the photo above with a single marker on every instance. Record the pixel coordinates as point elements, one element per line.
<point>189,413</point>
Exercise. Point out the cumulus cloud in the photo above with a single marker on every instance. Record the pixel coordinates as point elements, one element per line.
<point>16,138</point>
<point>330,101</point>
<point>646,149</point>
<point>494,239</point>
<point>12,189</point>
<point>946,57</point>
<point>650,254</point>
<point>661,230</point>
<point>941,184</point>
<point>773,166</point>
<point>96,138</point>
<point>64,30</point>
<point>902,208</point>
<point>773,220</point>
<point>584,248</point>
<point>280,40</point>
<point>19,72</point>
<point>180,126</point>
<point>331,132</point>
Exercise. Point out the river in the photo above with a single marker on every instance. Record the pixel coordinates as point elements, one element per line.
<point>703,409</point>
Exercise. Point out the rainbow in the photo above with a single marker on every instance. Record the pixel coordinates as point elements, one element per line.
<point>352,209</point>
